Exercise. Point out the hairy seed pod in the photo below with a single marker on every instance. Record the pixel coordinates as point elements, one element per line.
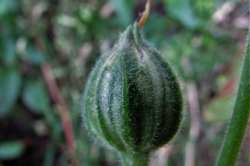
<point>133,101</point>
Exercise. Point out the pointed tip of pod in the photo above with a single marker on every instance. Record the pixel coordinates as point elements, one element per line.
<point>132,33</point>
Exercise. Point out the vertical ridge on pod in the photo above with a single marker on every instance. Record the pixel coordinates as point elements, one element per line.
<point>133,101</point>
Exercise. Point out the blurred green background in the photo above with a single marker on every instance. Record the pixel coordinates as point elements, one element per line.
<point>203,39</point>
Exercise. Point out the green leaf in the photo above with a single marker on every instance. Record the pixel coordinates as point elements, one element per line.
<point>124,10</point>
<point>150,28</point>
<point>33,56</point>
<point>9,55</point>
<point>7,6</point>
<point>182,11</point>
<point>11,150</point>
<point>35,96</point>
<point>9,89</point>
<point>49,156</point>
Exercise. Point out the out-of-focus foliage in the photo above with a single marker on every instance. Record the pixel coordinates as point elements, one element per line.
<point>182,11</point>
<point>11,149</point>
<point>203,40</point>
<point>9,78</point>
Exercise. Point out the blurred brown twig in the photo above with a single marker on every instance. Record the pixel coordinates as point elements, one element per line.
<point>193,101</point>
<point>63,110</point>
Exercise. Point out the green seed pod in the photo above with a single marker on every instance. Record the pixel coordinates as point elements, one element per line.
<point>133,101</point>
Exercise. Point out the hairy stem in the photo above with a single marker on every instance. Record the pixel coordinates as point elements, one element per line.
<point>137,159</point>
<point>239,120</point>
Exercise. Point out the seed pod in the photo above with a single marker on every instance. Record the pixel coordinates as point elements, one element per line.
<point>132,101</point>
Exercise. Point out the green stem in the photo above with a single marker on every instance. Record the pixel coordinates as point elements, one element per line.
<point>239,120</point>
<point>137,159</point>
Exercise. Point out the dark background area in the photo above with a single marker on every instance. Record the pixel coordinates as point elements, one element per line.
<point>48,48</point>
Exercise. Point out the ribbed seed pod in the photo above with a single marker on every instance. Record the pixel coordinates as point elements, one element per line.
<point>132,101</point>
